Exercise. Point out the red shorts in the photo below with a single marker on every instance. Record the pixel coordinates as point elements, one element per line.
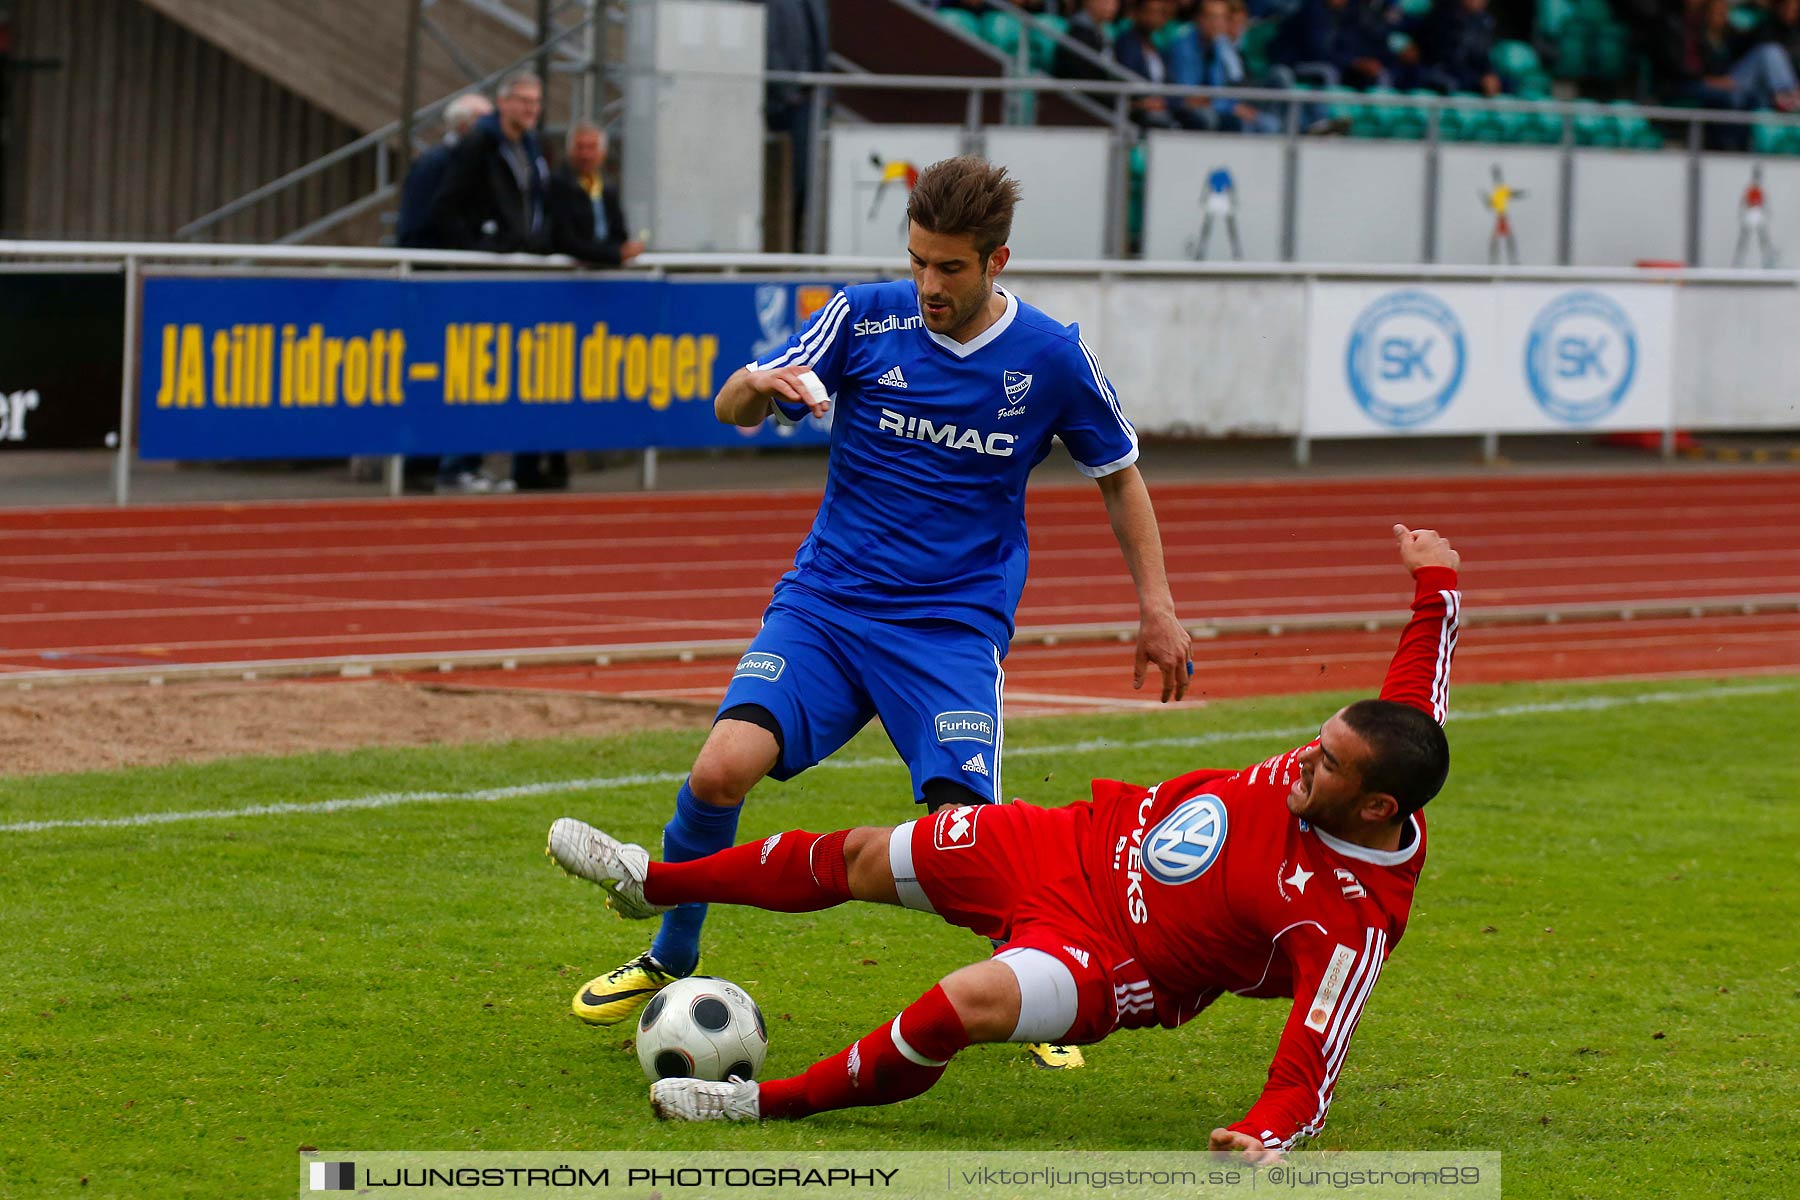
<point>1013,872</point>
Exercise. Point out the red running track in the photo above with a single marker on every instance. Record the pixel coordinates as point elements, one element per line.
<point>93,589</point>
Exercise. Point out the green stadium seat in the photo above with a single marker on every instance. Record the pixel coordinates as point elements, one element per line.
<point>1171,33</point>
<point>1611,53</point>
<point>1513,61</point>
<point>1535,86</point>
<point>1369,120</point>
<point>1043,40</point>
<point>1635,132</point>
<point>1545,128</point>
<point>1001,31</point>
<point>1594,127</point>
<point>1746,18</point>
<point>1415,8</point>
<point>1254,49</point>
<point>1513,126</point>
<point>964,20</point>
<point>1552,15</point>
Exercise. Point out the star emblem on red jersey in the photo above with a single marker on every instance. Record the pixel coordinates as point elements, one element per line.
<point>1298,879</point>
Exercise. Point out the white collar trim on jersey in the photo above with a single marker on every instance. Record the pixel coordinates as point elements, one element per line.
<point>964,349</point>
<point>1385,858</point>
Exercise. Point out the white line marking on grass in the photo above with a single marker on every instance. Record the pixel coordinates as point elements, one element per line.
<point>554,787</point>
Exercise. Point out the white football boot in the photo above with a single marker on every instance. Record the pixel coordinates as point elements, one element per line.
<point>699,1100</point>
<point>598,857</point>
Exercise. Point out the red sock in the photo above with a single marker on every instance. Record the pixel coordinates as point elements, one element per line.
<point>879,1069</point>
<point>791,872</point>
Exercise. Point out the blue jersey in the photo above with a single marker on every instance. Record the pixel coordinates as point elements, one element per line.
<point>931,443</point>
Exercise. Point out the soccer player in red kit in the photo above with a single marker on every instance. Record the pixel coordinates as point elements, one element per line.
<point>1292,878</point>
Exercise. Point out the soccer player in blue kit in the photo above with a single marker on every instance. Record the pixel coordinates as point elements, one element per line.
<point>948,390</point>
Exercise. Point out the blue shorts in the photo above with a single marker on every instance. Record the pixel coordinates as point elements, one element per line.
<point>822,672</point>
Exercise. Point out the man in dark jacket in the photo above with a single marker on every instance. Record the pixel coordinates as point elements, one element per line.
<point>494,197</point>
<point>493,194</point>
<point>586,222</point>
<point>426,176</point>
<point>1458,43</point>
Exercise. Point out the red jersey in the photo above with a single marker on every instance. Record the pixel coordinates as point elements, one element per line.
<point>1215,886</point>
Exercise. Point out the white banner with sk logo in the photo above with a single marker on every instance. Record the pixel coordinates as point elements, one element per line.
<point>1589,357</point>
<point>1472,358</point>
<point>1389,359</point>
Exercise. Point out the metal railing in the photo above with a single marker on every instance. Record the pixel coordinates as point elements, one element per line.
<point>377,141</point>
<point>1118,95</point>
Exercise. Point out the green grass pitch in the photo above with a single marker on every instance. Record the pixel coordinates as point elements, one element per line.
<point>1601,979</point>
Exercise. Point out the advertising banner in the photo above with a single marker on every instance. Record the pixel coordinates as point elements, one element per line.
<point>61,359</point>
<point>1473,358</point>
<point>326,368</point>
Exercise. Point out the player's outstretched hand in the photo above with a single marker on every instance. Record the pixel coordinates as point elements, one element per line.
<point>1163,640</point>
<point>796,384</point>
<point>1242,1145</point>
<point>1425,548</point>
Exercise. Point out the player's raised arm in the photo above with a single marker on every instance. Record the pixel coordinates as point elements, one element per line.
<point>1419,674</point>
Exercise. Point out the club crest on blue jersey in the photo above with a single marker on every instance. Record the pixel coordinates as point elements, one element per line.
<point>1017,383</point>
<point>965,727</point>
<point>757,665</point>
<point>1186,842</point>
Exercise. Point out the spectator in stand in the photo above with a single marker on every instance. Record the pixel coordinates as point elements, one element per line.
<point>415,229</point>
<point>798,38</point>
<point>586,219</point>
<point>1782,27</point>
<point>494,189</point>
<point>1220,66</point>
<point>1328,43</point>
<point>1456,40</point>
<point>1091,26</point>
<point>1724,69</point>
<point>1178,62</point>
<point>587,223</point>
<point>494,198</point>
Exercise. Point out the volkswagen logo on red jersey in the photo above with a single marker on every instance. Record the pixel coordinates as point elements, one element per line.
<point>1186,842</point>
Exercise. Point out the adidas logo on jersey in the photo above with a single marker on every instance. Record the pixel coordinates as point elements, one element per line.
<point>893,378</point>
<point>976,765</point>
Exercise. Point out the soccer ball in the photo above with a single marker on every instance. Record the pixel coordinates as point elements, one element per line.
<point>702,1028</point>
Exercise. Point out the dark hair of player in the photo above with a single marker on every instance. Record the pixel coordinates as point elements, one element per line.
<point>1409,756</point>
<point>965,195</point>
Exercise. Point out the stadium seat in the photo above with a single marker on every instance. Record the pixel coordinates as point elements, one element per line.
<point>1001,31</point>
<point>1254,49</point>
<point>1414,9</point>
<point>1043,40</point>
<point>1594,127</point>
<point>1544,128</point>
<point>1635,132</point>
<point>1171,33</point>
<point>1535,86</point>
<point>963,19</point>
<point>1514,61</point>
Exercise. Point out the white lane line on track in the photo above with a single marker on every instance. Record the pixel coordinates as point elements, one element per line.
<point>1174,531</point>
<point>560,786</point>
<point>1252,494</point>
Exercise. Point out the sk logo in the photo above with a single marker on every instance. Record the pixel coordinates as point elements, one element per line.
<point>1017,383</point>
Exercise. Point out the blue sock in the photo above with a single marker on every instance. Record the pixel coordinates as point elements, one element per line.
<point>697,830</point>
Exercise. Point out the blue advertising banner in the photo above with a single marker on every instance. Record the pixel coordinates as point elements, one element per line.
<point>327,368</point>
